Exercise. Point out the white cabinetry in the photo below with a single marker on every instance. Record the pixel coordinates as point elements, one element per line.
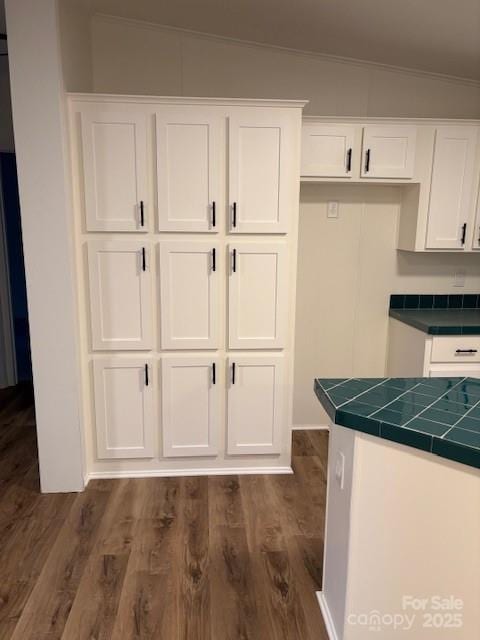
<point>256,404</point>
<point>124,407</point>
<point>120,294</point>
<point>451,203</point>
<point>388,151</point>
<point>190,275</point>
<point>191,388</point>
<point>189,152</point>
<point>114,147</point>
<point>257,307</point>
<point>327,150</point>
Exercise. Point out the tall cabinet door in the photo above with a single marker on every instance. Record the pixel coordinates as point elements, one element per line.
<point>189,284</point>
<point>189,151</point>
<point>120,295</point>
<point>388,151</point>
<point>451,191</point>
<point>257,298</point>
<point>114,144</point>
<point>124,407</point>
<point>190,405</point>
<point>263,171</point>
<point>256,404</point>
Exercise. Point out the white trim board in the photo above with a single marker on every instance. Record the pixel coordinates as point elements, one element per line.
<point>327,618</point>
<point>175,473</point>
<point>310,427</point>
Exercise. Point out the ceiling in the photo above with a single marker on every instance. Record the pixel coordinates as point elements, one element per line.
<point>441,36</point>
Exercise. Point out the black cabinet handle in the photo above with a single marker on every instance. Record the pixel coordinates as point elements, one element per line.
<point>234,258</point>
<point>142,214</point>
<point>214,377</point>
<point>367,161</point>
<point>144,260</point>
<point>349,160</point>
<point>214,259</point>
<point>214,214</point>
<point>466,351</point>
<point>233,373</point>
<point>479,236</point>
<point>234,214</point>
<point>464,233</point>
<point>146,375</point>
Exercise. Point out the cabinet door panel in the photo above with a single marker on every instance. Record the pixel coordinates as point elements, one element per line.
<point>257,296</point>
<point>451,192</point>
<point>388,152</point>
<point>256,411</point>
<point>447,371</point>
<point>120,294</point>
<point>190,405</point>
<point>189,294</point>
<point>124,407</point>
<point>476,230</point>
<point>114,146</point>
<point>262,171</point>
<point>327,150</point>
<point>189,143</point>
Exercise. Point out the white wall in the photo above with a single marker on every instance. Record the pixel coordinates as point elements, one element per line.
<point>76,46</point>
<point>39,122</point>
<point>6,127</point>
<point>138,57</point>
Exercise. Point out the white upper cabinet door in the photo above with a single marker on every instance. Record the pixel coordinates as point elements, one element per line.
<point>114,142</point>
<point>451,192</point>
<point>189,152</point>
<point>190,275</point>
<point>257,296</point>
<point>124,407</point>
<point>190,405</point>
<point>388,151</point>
<point>262,171</point>
<point>256,404</point>
<point>327,150</point>
<point>476,230</point>
<point>120,294</point>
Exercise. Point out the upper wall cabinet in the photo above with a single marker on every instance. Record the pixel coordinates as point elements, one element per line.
<point>327,150</point>
<point>262,170</point>
<point>189,151</point>
<point>452,198</point>
<point>114,144</point>
<point>388,152</point>
<point>120,295</point>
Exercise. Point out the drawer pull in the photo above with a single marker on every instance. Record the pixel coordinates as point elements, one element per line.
<point>466,351</point>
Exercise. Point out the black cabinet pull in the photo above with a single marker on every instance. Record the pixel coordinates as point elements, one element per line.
<point>233,373</point>
<point>234,257</point>
<point>234,214</point>
<point>214,214</point>
<point>214,377</point>
<point>146,375</point>
<point>367,161</point>
<point>142,214</point>
<point>479,236</point>
<point>464,233</point>
<point>214,259</point>
<point>144,260</point>
<point>349,160</point>
<point>466,351</point>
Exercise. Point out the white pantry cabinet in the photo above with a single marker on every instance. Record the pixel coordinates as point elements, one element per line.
<point>190,141</point>
<point>451,205</point>
<point>327,150</point>
<point>124,407</point>
<point>256,404</point>
<point>114,147</point>
<point>190,276</point>
<point>388,151</point>
<point>257,295</point>
<point>120,294</point>
<point>191,388</point>
<point>261,170</point>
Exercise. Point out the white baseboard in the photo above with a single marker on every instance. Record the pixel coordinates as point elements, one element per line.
<point>327,618</point>
<point>175,473</point>
<point>312,427</point>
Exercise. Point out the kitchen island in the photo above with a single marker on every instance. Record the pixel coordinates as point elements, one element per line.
<point>402,546</point>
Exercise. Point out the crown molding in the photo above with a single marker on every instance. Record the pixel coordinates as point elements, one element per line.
<point>327,57</point>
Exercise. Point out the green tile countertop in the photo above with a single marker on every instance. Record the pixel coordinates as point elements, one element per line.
<point>440,415</point>
<point>440,322</point>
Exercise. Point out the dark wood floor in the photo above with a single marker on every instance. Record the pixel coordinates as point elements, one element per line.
<point>218,558</point>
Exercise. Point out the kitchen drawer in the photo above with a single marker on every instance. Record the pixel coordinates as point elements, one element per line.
<point>456,349</point>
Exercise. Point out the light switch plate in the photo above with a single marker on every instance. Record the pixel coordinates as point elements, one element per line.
<point>332,209</point>
<point>460,277</point>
